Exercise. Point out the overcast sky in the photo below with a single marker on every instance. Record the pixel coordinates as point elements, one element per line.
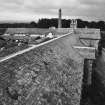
<point>28,10</point>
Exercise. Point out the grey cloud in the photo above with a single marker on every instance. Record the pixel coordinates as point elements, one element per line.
<point>91,3</point>
<point>89,8</point>
<point>10,5</point>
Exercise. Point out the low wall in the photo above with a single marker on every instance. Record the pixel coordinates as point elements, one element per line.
<point>47,75</point>
<point>36,30</point>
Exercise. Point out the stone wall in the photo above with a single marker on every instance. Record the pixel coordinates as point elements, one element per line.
<point>98,78</point>
<point>88,37</point>
<point>48,75</point>
<point>36,30</point>
<point>89,32</point>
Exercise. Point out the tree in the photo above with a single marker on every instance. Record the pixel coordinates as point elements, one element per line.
<point>33,24</point>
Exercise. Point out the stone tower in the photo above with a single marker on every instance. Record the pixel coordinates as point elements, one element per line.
<point>60,19</point>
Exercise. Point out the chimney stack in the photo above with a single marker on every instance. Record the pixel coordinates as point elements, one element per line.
<point>60,19</point>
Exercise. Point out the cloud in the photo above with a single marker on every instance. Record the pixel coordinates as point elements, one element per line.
<point>28,9</point>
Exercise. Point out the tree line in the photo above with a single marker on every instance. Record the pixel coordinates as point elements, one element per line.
<point>46,23</point>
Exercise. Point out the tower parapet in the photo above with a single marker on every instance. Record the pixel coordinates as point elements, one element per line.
<point>73,24</point>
